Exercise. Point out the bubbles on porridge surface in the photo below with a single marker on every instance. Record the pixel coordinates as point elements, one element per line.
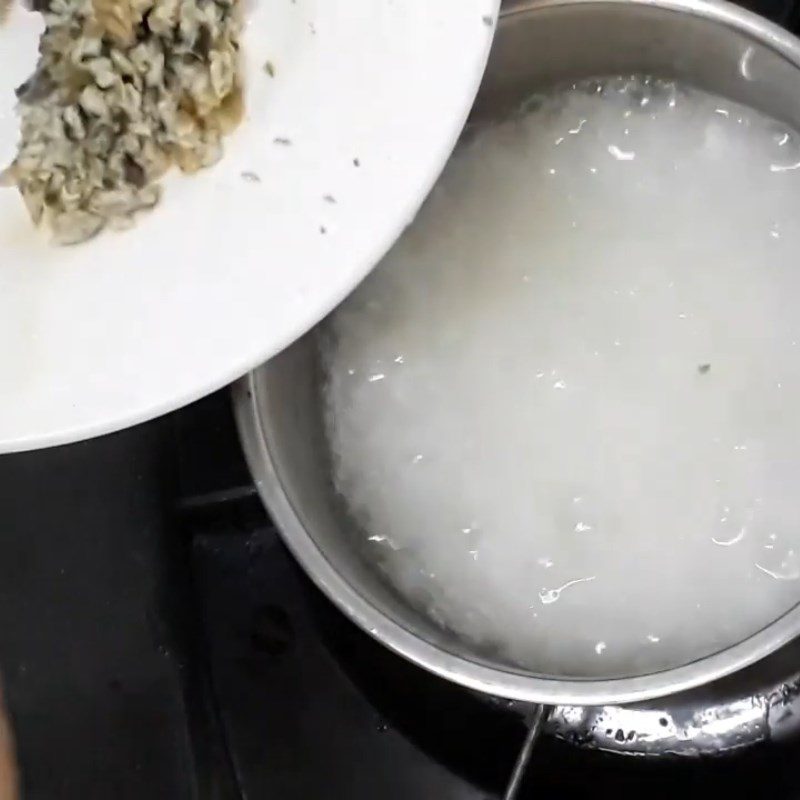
<point>580,449</point>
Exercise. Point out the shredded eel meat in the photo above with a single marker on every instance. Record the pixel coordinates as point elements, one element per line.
<point>122,90</point>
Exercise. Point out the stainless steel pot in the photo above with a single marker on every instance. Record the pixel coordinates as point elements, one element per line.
<point>713,45</point>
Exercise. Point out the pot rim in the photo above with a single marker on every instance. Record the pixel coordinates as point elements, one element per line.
<point>481,677</point>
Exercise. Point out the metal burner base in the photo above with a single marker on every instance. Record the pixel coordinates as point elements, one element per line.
<point>756,706</point>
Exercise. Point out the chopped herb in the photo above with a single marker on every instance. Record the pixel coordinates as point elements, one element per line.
<point>282,140</point>
<point>269,68</point>
<point>133,172</point>
<point>203,42</point>
<point>356,162</point>
<point>488,21</point>
<point>703,368</point>
<point>329,198</point>
<point>118,95</point>
<point>322,229</point>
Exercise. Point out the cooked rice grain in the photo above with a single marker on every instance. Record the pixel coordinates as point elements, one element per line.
<point>123,89</point>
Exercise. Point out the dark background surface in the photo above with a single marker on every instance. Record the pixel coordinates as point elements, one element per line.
<point>92,678</point>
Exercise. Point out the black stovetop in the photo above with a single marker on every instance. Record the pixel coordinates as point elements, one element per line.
<point>156,639</point>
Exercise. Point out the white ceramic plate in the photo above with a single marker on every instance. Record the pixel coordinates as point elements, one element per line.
<point>371,95</point>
